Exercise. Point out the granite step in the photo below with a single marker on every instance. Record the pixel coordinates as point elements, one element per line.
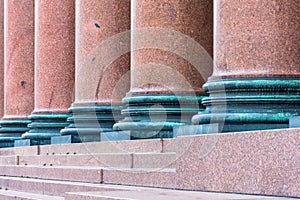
<point>9,160</point>
<point>130,146</point>
<point>152,177</point>
<point>163,194</point>
<point>51,187</point>
<point>120,160</point>
<point>69,173</point>
<point>16,195</point>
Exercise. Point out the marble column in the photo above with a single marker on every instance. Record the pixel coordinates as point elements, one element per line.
<point>256,79</point>
<point>171,55</point>
<point>102,65</point>
<point>54,68</point>
<point>19,69</point>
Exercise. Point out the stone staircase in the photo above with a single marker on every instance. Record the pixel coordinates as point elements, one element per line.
<point>49,172</point>
<point>152,169</point>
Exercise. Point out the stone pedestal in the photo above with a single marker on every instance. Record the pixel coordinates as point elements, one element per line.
<point>256,80</point>
<point>19,69</point>
<point>102,65</point>
<point>170,60</point>
<point>54,68</point>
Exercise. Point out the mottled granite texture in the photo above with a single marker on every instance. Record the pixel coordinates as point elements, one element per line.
<point>257,38</point>
<point>54,55</point>
<point>265,162</point>
<point>102,51</point>
<point>19,59</point>
<point>1,58</point>
<point>180,27</point>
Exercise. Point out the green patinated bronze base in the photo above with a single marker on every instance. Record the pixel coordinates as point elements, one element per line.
<point>250,104</point>
<point>12,130</point>
<point>44,126</point>
<point>89,120</point>
<point>154,116</point>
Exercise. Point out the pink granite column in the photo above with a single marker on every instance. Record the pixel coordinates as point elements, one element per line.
<point>257,65</point>
<point>54,68</point>
<point>1,58</point>
<point>19,69</point>
<point>171,47</point>
<point>102,62</point>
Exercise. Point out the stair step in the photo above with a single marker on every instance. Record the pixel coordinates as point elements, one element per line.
<point>69,173</point>
<point>120,160</point>
<point>51,187</point>
<point>9,160</point>
<point>150,194</point>
<point>131,146</point>
<point>159,177</point>
<point>97,160</point>
<point>152,177</point>
<point>16,195</point>
<point>33,150</point>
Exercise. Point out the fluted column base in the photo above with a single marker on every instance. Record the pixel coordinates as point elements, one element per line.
<point>247,104</point>
<point>154,116</point>
<point>44,126</point>
<point>88,121</point>
<point>12,130</point>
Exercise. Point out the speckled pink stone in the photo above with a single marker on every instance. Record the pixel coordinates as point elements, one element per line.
<point>257,38</point>
<point>170,73</point>
<point>54,55</point>
<point>1,58</point>
<point>19,58</point>
<point>259,162</point>
<point>101,78</point>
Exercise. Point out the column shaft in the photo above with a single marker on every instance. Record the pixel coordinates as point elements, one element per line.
<point>1,58</point>
<point>256,80</point>
<point>170,60</point>
<point>102,63</point>
<point>19,69</point>
<point>54,68</point>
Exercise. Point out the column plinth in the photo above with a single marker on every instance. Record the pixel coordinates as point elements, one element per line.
<point>54,69</point>
<point>171,46</point>
<point>18,69</point>
<point>102,62</point>
<point>256,79</point>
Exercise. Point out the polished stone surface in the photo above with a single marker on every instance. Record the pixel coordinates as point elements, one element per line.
<point>261,162</point>
<point>19,59</point>
<point>169,67</point>
<point>102,67</point>
<point>257,162</point>
<point>256,79</point>
<point>102,37</point>
<point>171,58</point>
<point>54,68</point>
<point>257,38</point>
<point>18,70</point>
<point>54,55</point>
